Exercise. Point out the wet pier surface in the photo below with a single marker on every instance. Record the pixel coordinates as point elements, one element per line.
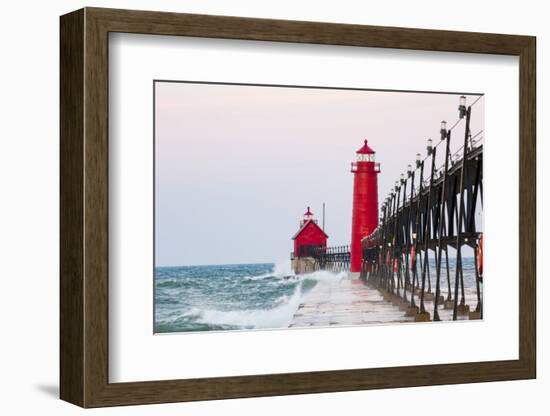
<point>352,302</point>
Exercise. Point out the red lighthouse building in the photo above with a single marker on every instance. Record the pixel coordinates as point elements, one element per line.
<point>310,236</point>
<point>365,202</point>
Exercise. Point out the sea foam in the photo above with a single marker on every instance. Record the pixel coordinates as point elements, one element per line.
<point>280,316</point>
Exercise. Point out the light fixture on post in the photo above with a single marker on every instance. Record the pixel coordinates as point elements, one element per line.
<point>402,178</point>
<point>462,106</point>
<point>429,146</point>
<point>443,130</point>
<point>409,170</point>
<point>418,160</point>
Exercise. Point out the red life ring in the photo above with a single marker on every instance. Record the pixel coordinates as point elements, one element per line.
<point>413,257</point>
<point>480,255</point>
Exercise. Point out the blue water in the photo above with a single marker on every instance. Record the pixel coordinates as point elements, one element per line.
<point>468,269</point>
<point>242,296</point>
<point>226,297</point>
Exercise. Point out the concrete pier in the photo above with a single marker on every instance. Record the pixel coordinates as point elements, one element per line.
<point>351,302</point>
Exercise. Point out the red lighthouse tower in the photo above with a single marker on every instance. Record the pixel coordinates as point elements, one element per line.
<point>365,202</point>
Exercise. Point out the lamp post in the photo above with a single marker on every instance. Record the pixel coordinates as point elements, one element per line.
<point>389,214</point>
<point>445,135</point>
<point>423,315</point>
<point>463,112</point>
<point>413,309</point>
<point>397,189</point>
<point>407,279</point>
<point>382,248</point>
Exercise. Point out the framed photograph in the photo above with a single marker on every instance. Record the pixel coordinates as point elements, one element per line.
<point>254,207</point>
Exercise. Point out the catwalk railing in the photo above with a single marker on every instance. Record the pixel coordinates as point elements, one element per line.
<point>335,258</point>
<point>436,216</point>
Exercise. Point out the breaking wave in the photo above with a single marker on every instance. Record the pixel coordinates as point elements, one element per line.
<point>203,298</point>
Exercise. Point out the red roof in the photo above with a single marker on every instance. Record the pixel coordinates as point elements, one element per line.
<point>303,227</point>
<point>365,150</point>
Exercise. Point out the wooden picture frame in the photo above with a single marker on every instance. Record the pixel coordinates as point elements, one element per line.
<point>84,207</point>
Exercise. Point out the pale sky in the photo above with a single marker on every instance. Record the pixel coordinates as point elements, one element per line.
<point>236,166</point>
